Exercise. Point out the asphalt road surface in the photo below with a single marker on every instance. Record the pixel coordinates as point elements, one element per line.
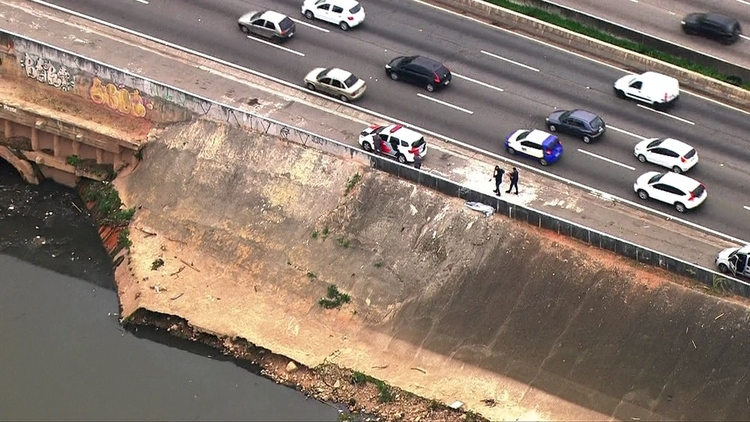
<point>661,19</point>
<point>501,82</point>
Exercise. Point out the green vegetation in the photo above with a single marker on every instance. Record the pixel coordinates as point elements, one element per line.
<point>157,264</point>
<point>311,274</point>
<point>108,204</point>
<point>343,241</point>
<point>352,182</point>
<point>123,239</point>
<point>378,264</point>
<point>577,27</point>
<point>73,160</point>
<point>315,234</point>
<point>385,392</point>
<point>334,298</point>
<point>326,232</point>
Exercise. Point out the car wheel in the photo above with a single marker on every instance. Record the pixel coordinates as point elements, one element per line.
<point>401,159</point>
<point>723,268</point>
<point>430,87</point>
<point>309,14</point>
<point>680,207</point>
<point>244,29</point>
<point>366,146</point>
<point>586,139</point>
<point>552,128</point>
<point>620,93</point>
<point>310,86</point>
<point>676,169</point>
<point>543,162</point>
<point>643,194</point>
<point>344,26</point>
<point>511,151</point>
<point>642,158</point>
<point>394,76</point>
<point>344,98</point>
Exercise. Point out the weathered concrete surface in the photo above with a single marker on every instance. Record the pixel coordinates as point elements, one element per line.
<point>446,303</point>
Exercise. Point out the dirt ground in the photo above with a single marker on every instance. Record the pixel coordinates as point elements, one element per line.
<point>241,235</point>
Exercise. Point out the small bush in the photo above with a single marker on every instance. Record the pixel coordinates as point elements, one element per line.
<point>73,160</point>
<point>123,239</point>
<point>315,234</point>
<point>334,298</point>
<point>352,182</point>
<point>157,264</point>
<point>378,264</point>
<point>343,242</point>
<point>359,378</point>
<point>311,274</point>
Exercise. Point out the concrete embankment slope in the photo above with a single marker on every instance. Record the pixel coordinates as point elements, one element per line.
<point>446,302</point>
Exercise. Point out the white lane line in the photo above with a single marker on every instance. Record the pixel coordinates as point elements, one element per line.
<point>310,25</point>
<point>509,60</point>
<point>142,1</point>
<point>746,207</point>
<point>445,104</point>
<point>484,84</point>
<point>745,37</point>
<point>289,50</point>
<point>667,114</point>
<point>617,163</point>
<point>744,2</point>
<point>386,117</point>
<point>626,132</point>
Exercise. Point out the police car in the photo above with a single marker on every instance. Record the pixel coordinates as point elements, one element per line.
<point>544,147</point>
<point>395,141</point>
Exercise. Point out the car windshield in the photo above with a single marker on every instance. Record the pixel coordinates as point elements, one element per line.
<point>350,81</point>
<point>523,135</point>
<point>323,73</point>
<point>565,115</point>
<point>656,143</point>
<point>656,178</point>
<point>355,9</point>
<point>286,23</point>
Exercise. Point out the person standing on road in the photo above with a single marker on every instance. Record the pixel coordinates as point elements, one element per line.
<point>513,181</point>
<point>417,161</point>
<point>498,176</point>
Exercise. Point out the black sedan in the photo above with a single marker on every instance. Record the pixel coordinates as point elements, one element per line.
<point>419,70</point>
<point>712,25</point>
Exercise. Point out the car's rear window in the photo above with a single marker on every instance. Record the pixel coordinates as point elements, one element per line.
<point>551,143</point>
<point>355,9</point>
<point>418,143</point>
<point>699,191</point>
<point>690,153</point>
<point>286,23</point>
<point>596,123</point>
<point>350,81</point>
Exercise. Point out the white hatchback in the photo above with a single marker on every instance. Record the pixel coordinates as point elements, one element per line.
<point>672,188</point>
<point>344,13</point>
<point>667,152</point>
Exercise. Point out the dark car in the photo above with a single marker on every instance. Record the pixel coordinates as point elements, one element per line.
<point>712,25</point>
<point>581,123</point>
<point>419,70</point>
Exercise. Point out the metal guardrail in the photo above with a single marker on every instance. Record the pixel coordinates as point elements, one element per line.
<point>736,74</point>
<point>80,66</point>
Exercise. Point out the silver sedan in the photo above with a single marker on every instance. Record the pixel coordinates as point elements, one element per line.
<point>336,82</point>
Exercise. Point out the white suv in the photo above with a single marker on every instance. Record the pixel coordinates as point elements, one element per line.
<point>667,152</point>
<point>674,189</point>
<point>394,141</point>
<point>344,13</point>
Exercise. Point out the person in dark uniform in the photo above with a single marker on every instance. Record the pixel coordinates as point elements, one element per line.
<point>417,161</point>
<point>513,181</point>
<point>498,176</point>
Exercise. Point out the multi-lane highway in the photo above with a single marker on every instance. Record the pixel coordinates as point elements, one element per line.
<point>661,18</point>
<point>501,82</point>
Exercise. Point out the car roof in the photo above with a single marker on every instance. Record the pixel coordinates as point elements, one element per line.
<point>272,16</point>
<point>346,4</point>
<point>679,180</point>
<point>538,136</point>
<point>658,78</point>
<point>583,114</point>
<point>676,146</point>
<point>720,18</point>
<point>427,62</point>
<point>402,132</point>
<point>339,74</point>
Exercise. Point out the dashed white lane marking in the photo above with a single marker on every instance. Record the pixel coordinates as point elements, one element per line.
<point>626,132</point>
<point>744,2</point>
<point>617,163</point>
<point>745,37</point>
<point>142,1</point>
<point>484,84</point>
<point>667,114</point>
<point>746,207</point>
<point>509,60</point>
<point>288,50</point>
<point>309,25</point>
<point>445,103</point>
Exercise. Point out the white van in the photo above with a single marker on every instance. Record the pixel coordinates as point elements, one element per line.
<point>735,261</point>
<point>655,89</point>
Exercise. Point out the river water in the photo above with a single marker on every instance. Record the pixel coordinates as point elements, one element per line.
<point>63,355</point>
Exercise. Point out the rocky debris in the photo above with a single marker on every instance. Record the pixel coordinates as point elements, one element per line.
<point>363,397</point>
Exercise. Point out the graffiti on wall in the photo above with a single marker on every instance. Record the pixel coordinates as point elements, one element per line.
<point>119,98</point>
<point>45,71</point>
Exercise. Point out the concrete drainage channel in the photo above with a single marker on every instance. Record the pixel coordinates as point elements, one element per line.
<point>535,217</point>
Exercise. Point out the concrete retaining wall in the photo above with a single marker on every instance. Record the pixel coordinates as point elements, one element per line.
<point>637,63</point>
<point>176,99</point>
<point>738,73</point>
